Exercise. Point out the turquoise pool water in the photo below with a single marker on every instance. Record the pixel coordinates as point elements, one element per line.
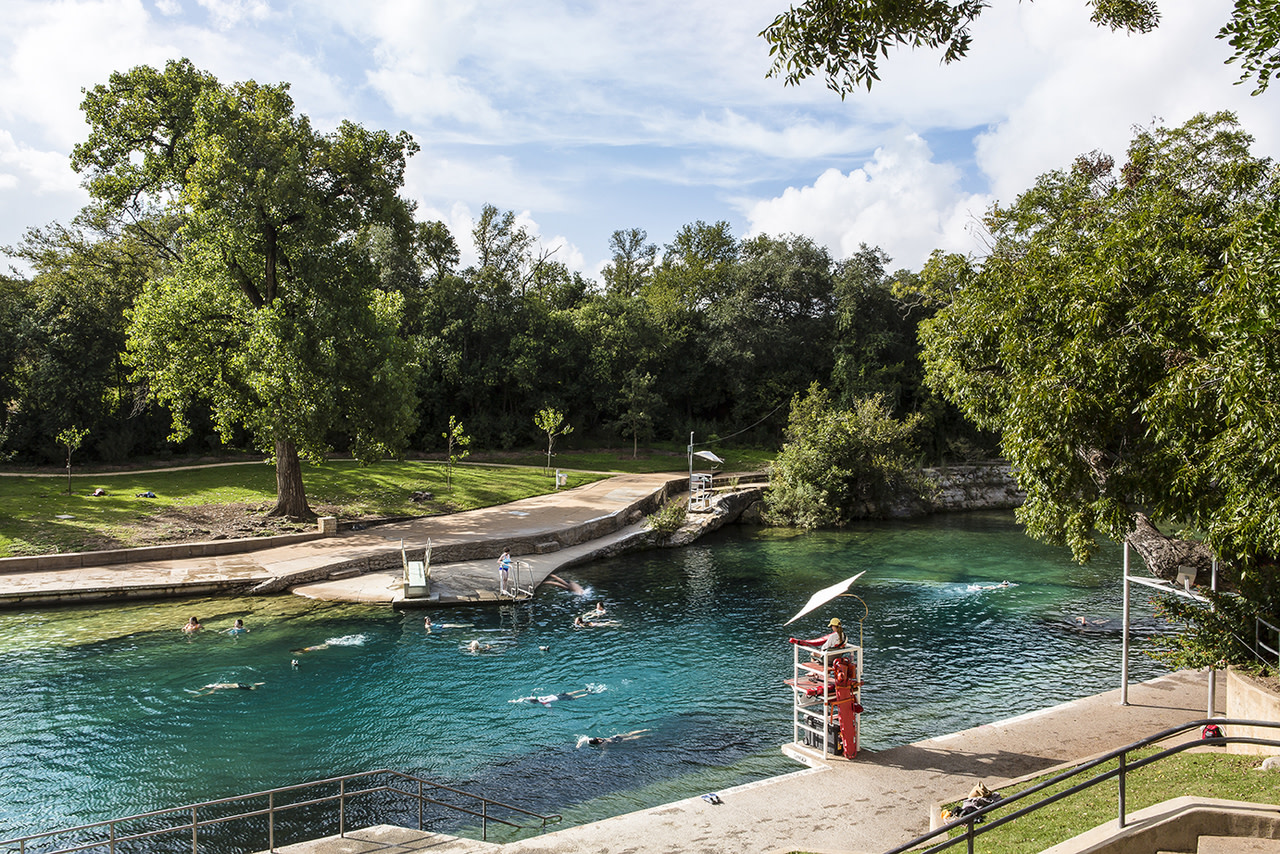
<point>100,714</point>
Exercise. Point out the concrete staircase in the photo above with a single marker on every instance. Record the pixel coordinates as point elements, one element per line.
<point>1187,825</point>
<point>1234,845</point>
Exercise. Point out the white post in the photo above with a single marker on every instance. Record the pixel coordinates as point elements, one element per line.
<point>691,464</point>
<point>1124,642</point>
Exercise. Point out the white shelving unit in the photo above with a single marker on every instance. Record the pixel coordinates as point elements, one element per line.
<point>815,721</point>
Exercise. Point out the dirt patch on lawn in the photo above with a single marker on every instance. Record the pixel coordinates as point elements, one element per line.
<point>204,522</point>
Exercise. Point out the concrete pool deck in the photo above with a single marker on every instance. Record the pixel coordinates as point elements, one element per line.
<point>546,531</point>
<point>877,801</point>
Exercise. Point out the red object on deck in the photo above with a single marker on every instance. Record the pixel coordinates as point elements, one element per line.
<point>846,707</point>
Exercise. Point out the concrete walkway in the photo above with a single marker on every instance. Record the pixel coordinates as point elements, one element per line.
<point>873,803</point>
<point>547,530</point>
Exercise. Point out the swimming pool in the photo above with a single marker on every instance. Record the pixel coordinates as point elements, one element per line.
<point>102,714</point>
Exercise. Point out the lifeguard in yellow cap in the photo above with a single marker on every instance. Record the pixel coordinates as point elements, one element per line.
<point>834,640</point>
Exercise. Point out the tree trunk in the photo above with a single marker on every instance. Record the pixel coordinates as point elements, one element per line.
<point>291,495</point>
<point>1163,554</point>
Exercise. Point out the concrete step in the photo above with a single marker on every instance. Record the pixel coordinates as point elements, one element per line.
<point>385,837</point>
<point>1237,845</point>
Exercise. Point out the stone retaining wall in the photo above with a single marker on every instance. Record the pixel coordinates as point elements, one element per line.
<point>974,487</point>
<point>176,551</point>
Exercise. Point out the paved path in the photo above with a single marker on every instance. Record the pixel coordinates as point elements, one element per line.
<point>873,803</point>
<point>469,544</point>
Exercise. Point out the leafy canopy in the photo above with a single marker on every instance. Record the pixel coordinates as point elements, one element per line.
<point>271,314</point>
<point>841,464</point>
<point>1121,337</point>
<point>844,40</point>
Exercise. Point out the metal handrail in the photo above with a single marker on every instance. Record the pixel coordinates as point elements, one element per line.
<point>1258,645</point>
<point>1124,766</point>
<point>423,795</point>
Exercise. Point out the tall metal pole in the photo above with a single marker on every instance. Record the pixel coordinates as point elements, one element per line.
<point>1213,674</point>
<point>1124,642</point>
<point>691,464</point>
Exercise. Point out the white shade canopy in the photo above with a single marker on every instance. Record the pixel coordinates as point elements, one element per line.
<point>824,595</point>
<point>708,455</point>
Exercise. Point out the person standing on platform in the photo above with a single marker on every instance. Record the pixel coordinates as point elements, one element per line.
<point>504,570</point>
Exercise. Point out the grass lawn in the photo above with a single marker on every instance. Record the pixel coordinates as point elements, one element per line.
<point>648,459</point>
<point>1212,773</point>
<point>30,506</point>
<point>37,516</point>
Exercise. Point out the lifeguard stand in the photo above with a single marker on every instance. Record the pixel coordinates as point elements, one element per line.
<point>823,719</point>
<point>700,492</point>
<point>700,482</point>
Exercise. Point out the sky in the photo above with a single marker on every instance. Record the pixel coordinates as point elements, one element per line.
<point>588,117</point>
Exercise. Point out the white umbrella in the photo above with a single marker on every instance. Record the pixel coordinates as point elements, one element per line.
<point>823,596</point>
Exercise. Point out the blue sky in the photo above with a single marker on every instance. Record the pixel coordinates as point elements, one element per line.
<point>585,117</point>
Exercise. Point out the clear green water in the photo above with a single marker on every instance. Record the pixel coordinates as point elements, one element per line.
<point>97,718</point>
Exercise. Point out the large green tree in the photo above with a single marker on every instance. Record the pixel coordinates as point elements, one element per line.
<point>841,464</point>
<point>62,354</point>
<point>272,314</point>
<point>843,40</point>
<point>1121,337</point>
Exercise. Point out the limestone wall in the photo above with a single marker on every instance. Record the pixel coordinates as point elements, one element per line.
<point>974,487</point>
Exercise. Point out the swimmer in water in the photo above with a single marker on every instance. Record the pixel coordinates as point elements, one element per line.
<point>554,580</point>
<point>598,611</point>
<point>596,741</point>
<point>426,624</point>
<point>237,629</point>
<point>548,699</point>
<point>311,648</point>
<point>476,646</point>
<point>226,686</point>
<point>192,626</point>
<point>580,623</point>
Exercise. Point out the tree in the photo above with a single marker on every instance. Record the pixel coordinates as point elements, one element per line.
<point>62,356</point>
<point>548,420</point>
<point>455,437</point>
<point>633,261</point>
<point>637,391</point>
<point>71,437</point>
<point>1120,336</point>
<point>771,333</point>
<point>844,39</point>
<point>838,465</point>
<point>272,313</point>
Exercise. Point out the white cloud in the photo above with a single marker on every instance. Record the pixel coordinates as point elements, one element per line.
<point>802,139</point>
<point>437,180</point>
<point>54,49</point>
<point>428,96</point>
<point>901,201</point>
<point>229,13</point>
<point>1095,86</point>
<point>36,188</point>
